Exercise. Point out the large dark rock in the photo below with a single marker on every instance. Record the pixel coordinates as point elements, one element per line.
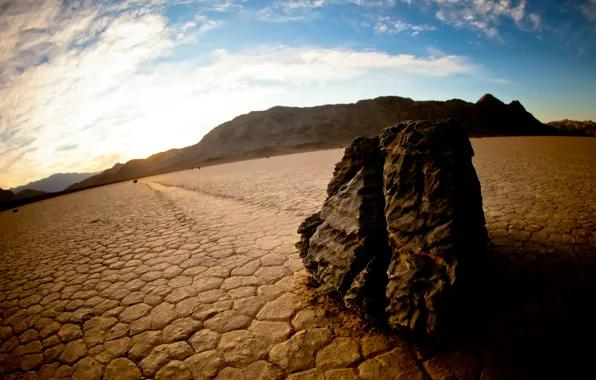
<point>344,244</point>
<point>402,228</point>
<point>435,221</point>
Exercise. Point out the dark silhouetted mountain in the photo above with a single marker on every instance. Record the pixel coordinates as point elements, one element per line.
<point>573,127</point>
<point>283,130</point>
<point>8,199</point>
<point>28,193</point>
<point>6,196</point>
<point>54,183</point>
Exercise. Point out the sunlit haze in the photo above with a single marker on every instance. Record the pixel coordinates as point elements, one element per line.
<point>86,84</point>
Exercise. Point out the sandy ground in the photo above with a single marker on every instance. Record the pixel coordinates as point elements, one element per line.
<point>194,275</point>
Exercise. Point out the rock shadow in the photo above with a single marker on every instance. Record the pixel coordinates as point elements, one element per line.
<point>545,306</point>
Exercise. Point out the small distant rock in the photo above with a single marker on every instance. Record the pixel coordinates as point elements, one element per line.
<point>15,210</point>
<point>135,181</point>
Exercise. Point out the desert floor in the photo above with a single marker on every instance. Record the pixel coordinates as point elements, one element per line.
<point>194,274</point>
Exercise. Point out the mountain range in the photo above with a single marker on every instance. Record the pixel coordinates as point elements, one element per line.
<point>41,189</point>
<point>577,128</point>
<point>55,182</point>
<point>283,130</point>
<point>9,196</point>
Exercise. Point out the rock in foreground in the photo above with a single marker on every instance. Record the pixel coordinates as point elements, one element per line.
<point>402,230</point>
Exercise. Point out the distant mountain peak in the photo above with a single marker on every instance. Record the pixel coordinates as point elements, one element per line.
<point>6,196</point>
<point>55,182</point>
<point>516,105</point>
<point>489,99</point>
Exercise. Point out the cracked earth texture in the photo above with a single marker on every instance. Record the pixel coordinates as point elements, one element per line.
<point>194,274</point>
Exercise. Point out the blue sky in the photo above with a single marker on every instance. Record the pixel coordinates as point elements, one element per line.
<point>87,83</point>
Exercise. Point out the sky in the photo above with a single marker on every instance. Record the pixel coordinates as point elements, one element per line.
<point>85,84</point>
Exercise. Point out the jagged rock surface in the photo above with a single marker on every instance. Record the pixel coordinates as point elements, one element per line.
<point>402,226</point>
<point>349,242</point>
<point>435,221</point>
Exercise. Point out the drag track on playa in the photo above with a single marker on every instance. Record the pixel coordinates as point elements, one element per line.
<point>194,274</point>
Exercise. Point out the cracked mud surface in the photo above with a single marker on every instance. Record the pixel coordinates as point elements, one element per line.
<point>194,275</point>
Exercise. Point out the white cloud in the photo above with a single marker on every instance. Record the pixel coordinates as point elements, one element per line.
<point>535,20</point>
<point>381,28</point>
<point>588,8</point>
<point>29,32</point>
<point>484,15</point>
<point>518,13</point>
<point>306,65</point>
<point>371,3</point>
<point>190,32</point>
<point>33,31</point>
<point>59,62</point>
<point>301,4</point>
<point>390,26</point>
<point>289,10</point>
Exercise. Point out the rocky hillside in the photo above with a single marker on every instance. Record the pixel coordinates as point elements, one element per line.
<point>573,127</point>
<point>282,130</point>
